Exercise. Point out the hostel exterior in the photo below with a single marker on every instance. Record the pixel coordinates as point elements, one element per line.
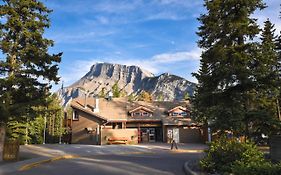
<point>119,121</point>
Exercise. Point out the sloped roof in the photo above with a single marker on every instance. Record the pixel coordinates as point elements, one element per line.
<point>77,105</point>
<point>179,107</point>
<point>118,109</point>
<point>141,108</point>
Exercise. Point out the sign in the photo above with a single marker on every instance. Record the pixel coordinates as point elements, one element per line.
<point>170,134</point>
<point>176,135</point>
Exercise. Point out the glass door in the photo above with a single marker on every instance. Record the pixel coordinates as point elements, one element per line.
<point>151,134</point>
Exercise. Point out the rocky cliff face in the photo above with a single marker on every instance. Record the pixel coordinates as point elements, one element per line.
<point>131,79</point>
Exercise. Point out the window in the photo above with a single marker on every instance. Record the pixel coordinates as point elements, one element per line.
<point>145,114</point>
<point>75,115</point>
<point>116,125</point>
<point>175,114</point>
<point>137,114</point>
<point>183,114</point>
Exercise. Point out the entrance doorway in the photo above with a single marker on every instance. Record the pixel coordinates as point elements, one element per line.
<point>148,135</point>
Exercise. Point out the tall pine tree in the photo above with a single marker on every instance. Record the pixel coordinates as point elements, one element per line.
<point>264,109</point>
<point>26,68</point>
<point>225,77</point>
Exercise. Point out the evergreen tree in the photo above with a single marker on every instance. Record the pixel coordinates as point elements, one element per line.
<point>131,97</point>
<point>145,96</point>
<point>102,93</point>
<point>225,76</point>
<point>263,112</point>
<point>116,90</point>
<point>30,130</point>
<point>186,96</point>
<point>27,68</point>
<point>160,97</point>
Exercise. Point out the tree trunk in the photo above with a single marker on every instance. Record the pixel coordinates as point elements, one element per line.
<point>2,139</point>
<point>278,109</point>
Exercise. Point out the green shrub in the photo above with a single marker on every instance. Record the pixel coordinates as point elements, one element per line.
<point>266,168</point>
<point>223,154</point>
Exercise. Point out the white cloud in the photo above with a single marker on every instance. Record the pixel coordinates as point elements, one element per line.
<point>178,56</point>
<point>103,20</point>
<point>185,3</point>
<point>165,16</point>
<point>117,6</point>
<point>156,64</point>
<point>80,37</point>
<point>107,6</point>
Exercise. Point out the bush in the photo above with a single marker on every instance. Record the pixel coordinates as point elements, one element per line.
<point>224,154</point>
<point>253,168</point>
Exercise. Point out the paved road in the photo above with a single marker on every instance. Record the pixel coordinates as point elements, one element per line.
<point>131,164</point>
<point>156,158</point>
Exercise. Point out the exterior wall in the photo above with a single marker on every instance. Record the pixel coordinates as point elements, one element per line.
<point>143,124</point>
<point>130,134</point>
<point>165,139</point>
<point>275,148</point>
<point>188,135</point>
<point>205,136</point>
<point>79,132</point>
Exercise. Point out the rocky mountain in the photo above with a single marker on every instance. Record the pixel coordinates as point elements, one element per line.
<point>130,79</point>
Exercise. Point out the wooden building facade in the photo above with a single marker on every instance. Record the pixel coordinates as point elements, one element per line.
<point>153,122</point>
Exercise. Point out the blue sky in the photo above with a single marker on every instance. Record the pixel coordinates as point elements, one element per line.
<point>157,35</point>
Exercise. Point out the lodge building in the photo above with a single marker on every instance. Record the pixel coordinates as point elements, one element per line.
<point>102,121</point>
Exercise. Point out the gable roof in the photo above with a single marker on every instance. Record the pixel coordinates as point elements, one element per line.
<point>77,105</point>
<point>117,110</point>
<point>178,107</point>
<point>141,108</point>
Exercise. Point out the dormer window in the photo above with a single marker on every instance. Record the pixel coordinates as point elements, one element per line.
<point>145,114</point>
<point>183,114</point>
<point>141,111</point>
<point>137,114</point>
<point>179,111</point>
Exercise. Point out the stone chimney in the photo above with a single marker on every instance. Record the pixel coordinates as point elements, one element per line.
<point>96,109</point>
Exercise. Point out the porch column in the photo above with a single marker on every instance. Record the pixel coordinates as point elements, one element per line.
<point>98,134</point>
<point>139,133</point>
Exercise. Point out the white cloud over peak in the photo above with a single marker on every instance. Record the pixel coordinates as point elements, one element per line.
<point>156,64</point>
<point>177,56</point>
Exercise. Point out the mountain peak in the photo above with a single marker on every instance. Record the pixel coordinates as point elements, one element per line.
<point>111,69</point>
<point>131,79</point>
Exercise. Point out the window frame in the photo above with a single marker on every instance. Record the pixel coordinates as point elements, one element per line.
<point>184,114</point>
<point>75,116</point>
<point>145,114</point>
<point>137,114</point>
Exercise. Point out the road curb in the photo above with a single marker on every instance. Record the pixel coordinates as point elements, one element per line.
<point>187,170</point>
<point>35,164</point>
<point>187,151</point>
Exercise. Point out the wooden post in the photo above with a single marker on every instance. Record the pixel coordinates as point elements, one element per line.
<point>139,133</point>
<point>11,150</point>
<point>2,139</point>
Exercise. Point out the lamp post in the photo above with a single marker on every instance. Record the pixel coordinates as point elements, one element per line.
<point>60,128</point>
<point>61,113</point>
<point>45,121</point>
<point>209,132</point>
